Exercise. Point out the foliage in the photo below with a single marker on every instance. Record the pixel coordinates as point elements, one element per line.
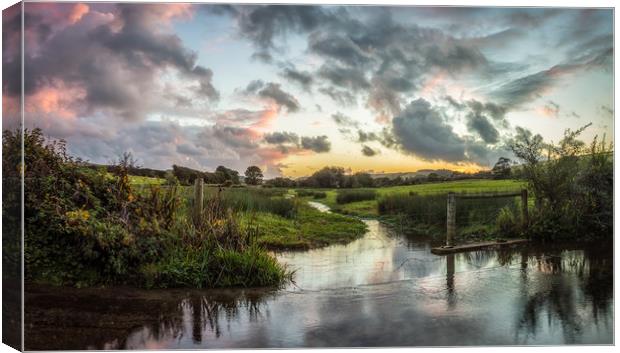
<point>328,177</point>
<point>224,174</point>
<point>84,226</point>
<point>573,184</point>
<point>253,175</point>
<point>348,196</point>
<point>502,169</point>
<point>280,182</point>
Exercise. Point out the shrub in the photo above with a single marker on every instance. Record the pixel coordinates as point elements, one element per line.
<point>355,195</point>
<point>573,184</point>
<point>85,226</point>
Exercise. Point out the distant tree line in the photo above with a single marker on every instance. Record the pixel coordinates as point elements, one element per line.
<point>327,177</point>
<point>222,175</point>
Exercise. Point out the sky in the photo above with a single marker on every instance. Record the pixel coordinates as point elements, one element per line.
<point>294,88</point>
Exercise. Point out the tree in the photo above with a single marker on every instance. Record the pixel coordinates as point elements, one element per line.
<point>253,175</point>
<point>328,177</point>
<point>224,174</point>
<point>364,180</point>
<point>501,169</point>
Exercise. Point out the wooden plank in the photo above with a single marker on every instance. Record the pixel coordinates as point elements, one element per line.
<point>444,250</point>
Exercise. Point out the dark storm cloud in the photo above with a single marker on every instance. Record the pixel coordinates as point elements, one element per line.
<point>118,68</point>
<point>420,130</point>
<point>262,24</point>
<point>368,151</point>
<point>483,127</point>
<point>318,144</point>
<point>303,78</point>
<point>497,112</point>
<point>273,92</point>
<point>337,47</point>
<point>344,77</point>
<point>287,141</point>
<point>235,137</point>
<point>278,138</point>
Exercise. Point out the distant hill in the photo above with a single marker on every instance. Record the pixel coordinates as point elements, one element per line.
<point>419,173</point>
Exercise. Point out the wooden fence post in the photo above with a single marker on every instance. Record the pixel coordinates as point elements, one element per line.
<point>198,200</point>
<point>451,219</point>
<point>525,217</point>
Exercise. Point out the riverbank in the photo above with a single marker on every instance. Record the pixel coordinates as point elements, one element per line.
<point>421,209</point>
<point>310,229</point>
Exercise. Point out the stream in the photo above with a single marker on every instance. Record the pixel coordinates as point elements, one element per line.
<point>383,289</point>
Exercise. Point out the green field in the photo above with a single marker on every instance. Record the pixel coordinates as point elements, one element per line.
<point>369,208</point>
<point>142,180</point>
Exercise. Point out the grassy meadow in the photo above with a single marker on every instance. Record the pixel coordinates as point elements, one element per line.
<point>369,208</point>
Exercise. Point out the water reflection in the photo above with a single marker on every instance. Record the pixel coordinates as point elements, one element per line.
<point>403,295</point>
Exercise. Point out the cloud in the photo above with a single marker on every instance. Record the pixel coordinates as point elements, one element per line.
<point>278,138</point>
<point>318,144</point>
<point>521,91</point>
<point>551,109</point>
<point>369,152</point>
<point>340,96</point>
<point>303,78</point>
<point>115,54</point>
<point>289,142</point>
<point>483,127</point>
<point>420,130</point>
<point>343,77</point>
<point>344,121</point>
<point>272,91</point>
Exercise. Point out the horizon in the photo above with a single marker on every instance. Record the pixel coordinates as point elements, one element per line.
<point>294,88</point>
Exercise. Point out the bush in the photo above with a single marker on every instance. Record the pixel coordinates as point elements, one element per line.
<point>573,185</point>
<point>355,195</point>
<point>85,226</point>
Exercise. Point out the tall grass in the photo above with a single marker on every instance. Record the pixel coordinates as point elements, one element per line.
<point>255,200</point>
<point>355,195</point>
<point>431,209</point>
<point>311,193</point>
<point>216,252</point>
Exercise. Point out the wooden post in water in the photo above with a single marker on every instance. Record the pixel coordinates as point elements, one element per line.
<point>525,217</point>
<point>451,219</point>
<point>198,200</point>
